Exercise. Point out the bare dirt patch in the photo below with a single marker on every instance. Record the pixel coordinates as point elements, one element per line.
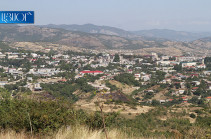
<point>126,89</point>
<point>124,109</point>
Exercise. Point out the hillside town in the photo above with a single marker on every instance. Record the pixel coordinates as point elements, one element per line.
<point>105,69</point>
<point>154,77</point>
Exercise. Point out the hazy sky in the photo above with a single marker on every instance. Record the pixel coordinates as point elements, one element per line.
<point>188,15</point>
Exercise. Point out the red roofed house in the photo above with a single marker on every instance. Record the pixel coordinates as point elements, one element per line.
<point>201,66</point>
<point>170,100</point>
<point>33,60</point>
<point>185,98</point>
<point>91,72</point>
<point>208,98</point>
<point>62,80</point>
<point>194,88</point>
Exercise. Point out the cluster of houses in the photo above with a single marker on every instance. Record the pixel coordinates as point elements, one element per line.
<point>49,66</point>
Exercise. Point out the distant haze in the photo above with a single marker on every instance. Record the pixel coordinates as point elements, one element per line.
<point>180,15</point>
<point>154,34</point>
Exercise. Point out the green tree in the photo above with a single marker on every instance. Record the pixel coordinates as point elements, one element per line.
<point>207,62</point>
<point>116,58</point>
<point>178,68</point>
<point>127,79</point>
<point>155,102</point>
<point>160,75</point>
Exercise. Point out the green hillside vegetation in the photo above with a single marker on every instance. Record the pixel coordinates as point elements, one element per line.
<point>66,90</point>
<point>48,117</point>
<point>127,79</point>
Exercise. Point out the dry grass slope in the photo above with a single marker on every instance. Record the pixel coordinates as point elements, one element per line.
<point>77,132</point>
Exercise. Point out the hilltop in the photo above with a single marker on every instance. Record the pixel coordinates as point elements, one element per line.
<point>83,37</point>
<point>71,38</point>
<point>172,34</point>
<point>152,34</point>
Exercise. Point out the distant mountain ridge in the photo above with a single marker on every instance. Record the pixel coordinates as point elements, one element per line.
<point>154,34</point>
<point>203,43</point>
<point>71,38</point>
<point>172,34</point>
<point>207,39</point>
<point>98,41</point>
<point>90,28</point>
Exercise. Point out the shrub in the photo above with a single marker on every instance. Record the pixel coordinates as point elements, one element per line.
<point>192,115</point>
